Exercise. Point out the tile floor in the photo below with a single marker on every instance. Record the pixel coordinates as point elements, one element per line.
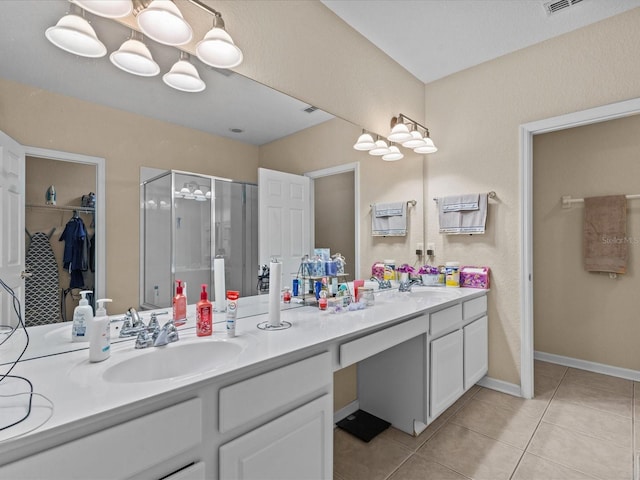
<point>580,425</point>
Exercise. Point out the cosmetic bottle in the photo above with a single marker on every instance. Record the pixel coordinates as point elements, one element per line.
<point>100,334</point>
<point>232,311</point>
<point>82,316</point>
<point>204,311</point>
<point>179,306</point>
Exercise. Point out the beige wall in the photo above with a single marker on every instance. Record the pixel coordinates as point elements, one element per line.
<point>579,314</point>
<point>474,116</point>
<point>331,144</point>
<point>127,141</point>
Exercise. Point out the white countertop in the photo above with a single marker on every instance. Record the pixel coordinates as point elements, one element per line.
<point>78,390</point>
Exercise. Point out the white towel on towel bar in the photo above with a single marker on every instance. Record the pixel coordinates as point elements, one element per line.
<point>389,219</point>
<point>463,221</point>
<point>457,203</point>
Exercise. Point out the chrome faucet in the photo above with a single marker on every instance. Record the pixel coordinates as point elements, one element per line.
<point>148,336</point>
<point>382,284</point>
<point>406,286</point>
<point>132,324</point>
<point>167,334</point>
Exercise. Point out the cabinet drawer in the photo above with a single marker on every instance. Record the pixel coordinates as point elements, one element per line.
<point>444,320</point>
<point>132,447</point>
<point>248,400</point>
<point>369,345</point>
<point>475,307</point>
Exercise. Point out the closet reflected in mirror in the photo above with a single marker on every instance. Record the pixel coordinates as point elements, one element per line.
<point>60,237</point>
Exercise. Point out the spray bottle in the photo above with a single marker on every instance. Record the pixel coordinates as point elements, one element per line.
<point>82,316</point>
<point>100,334</point>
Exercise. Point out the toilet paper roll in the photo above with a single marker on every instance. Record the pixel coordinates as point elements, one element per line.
<point>275,284</point>
<point>219,297</point>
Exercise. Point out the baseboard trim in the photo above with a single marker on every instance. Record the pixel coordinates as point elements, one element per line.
<point>500,386</point>
<point>625,373</point>
<point>345,411</point>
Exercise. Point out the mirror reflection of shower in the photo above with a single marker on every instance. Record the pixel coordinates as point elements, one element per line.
<point>187,220</point>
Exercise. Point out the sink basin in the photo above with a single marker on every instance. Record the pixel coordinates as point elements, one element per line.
<point>173,361</point>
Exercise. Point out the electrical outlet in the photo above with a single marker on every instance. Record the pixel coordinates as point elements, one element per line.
<point>420,246</point>
<point>431,249</point>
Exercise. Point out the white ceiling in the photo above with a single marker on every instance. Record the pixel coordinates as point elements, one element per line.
<point>435,38</point>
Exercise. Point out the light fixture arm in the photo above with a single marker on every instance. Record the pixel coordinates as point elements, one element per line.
<point>401,119</point>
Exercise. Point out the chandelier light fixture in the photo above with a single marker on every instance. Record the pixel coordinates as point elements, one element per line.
<point>159,20</point>
<point>404,131</point>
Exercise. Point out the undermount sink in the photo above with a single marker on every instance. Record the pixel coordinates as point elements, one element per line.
<point>173,361</point>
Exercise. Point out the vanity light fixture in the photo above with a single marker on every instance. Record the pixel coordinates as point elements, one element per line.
<point>217,48</point>
<point>399,133</point>
<point>74,34</point>
<point>134,57</point>
<point>365,142</point>
<point>163,22</point>
<point>427,146</point>
<point>381,148</point>
<point>393,155</point>
<point>415,141</point>
<point>106,8</point>
<point>183,76</point>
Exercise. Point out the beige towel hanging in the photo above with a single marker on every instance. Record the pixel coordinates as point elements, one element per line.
<point>605,243</point>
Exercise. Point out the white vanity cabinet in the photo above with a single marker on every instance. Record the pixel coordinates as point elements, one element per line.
<point>151,446</point>
<point>476,351</point>
<point>446,374</point>
<point>284,423</point>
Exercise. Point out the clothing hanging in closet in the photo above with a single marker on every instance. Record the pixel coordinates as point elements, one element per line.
<point>76,250</point>
<point>41,288</point>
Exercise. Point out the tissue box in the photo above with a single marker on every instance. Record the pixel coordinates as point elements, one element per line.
<point>474,277</point>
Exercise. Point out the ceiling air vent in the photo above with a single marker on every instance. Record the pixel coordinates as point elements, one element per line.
<point>555,7</point>
<point>310,109</point>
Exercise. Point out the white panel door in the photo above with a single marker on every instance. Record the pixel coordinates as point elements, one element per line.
<point>284,219</point>
<point>295,446</point>
<point>12,182</point>
<point>446,372</point>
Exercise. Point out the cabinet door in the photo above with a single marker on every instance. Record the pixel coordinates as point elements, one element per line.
<point>476,351</point>
<point>446,372</point>
<point>295,446</point>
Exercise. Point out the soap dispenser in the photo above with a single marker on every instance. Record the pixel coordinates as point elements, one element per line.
<point>179,306</point>
<point>82,316</point>
<point>100,334</point>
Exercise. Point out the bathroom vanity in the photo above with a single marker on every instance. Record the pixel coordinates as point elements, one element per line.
<point>259,405</point>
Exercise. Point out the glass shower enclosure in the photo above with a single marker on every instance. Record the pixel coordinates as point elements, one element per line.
<point>187,220</point>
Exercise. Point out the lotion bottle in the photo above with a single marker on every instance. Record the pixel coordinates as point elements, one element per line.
<point>204,321</point>
<point>232,311</point>
<point>82,316</point>
<point>179,306</point>
<point>100,334</point>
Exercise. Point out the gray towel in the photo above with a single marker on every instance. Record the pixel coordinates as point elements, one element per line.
<point>457,203</point>
<point>389,219</point>
<point>605,242</point>
<point>468,221</point>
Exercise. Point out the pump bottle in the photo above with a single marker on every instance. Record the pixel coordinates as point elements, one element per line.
<point>179,306</point>
<point>204,321</point>
<point>100,334</point>
<point>82,316</point>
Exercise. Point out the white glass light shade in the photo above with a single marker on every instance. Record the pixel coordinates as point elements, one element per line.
<point>365,143</point>
<point>106,8</point>
<point>163,22</point>
<point>134,57</point>
<point>381,148</point>
<point>415,141</point>
<point>185,191</point>
<point>427,148</point>
<point>399,133</point>
<point>393,155</point>
<point>208,195</point>
<point>73,34</point>
<point>218,50</point>
<point>183,76</point>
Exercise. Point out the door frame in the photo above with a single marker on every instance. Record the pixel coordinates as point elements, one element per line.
<point>326,172</point>
<point>100,209</point>
<point>527,131</point>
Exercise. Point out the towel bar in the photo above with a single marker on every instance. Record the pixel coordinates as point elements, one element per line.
<point>409,202</point>
<point>491,194</point>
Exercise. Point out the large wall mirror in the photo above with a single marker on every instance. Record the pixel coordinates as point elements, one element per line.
<point>133,122</point>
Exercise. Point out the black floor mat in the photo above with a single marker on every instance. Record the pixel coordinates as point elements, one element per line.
<point>363,425</point>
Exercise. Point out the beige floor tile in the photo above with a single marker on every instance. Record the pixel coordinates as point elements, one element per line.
<point>547,369</point>
<point>593,422</point>
<point>496,422</point>
<point>578,451</point>
<point>598,380</point>
<point>470,453</point>
<point>354,459</point>
<point>532,467</point>
<point>419,468</point>
<point>544,389</point>
<point>597,398</point>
